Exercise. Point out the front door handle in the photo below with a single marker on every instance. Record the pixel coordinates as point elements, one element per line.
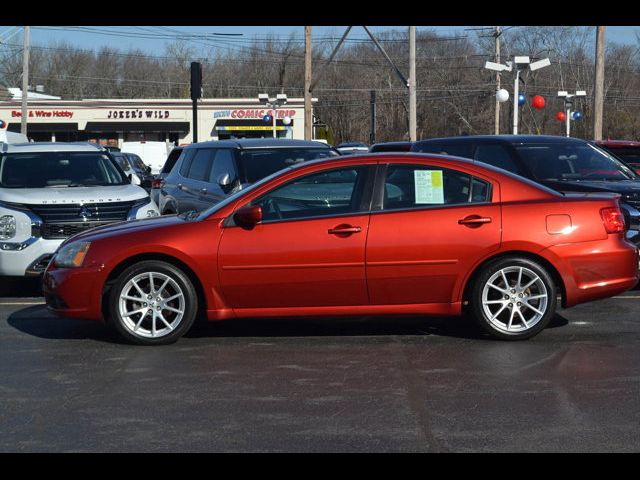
<point>474,220</point>
<point>203,190</point>
<point>344,230</point>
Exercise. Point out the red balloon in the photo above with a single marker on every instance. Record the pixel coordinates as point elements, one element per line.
<point>538,101</point>
<point>560,116</point>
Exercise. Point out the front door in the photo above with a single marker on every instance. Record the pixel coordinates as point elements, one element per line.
<point>433,224</point>
<point>309,250</point>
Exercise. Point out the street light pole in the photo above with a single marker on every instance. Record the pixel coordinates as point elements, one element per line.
<point>517,63</point>
<point>568,102</point>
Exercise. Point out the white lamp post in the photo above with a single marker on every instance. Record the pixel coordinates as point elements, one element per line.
<point>568,102</point>
<point>520,64</point>
<point>274,103</point>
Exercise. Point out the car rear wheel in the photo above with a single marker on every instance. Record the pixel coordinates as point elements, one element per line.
<point>513,298</point>
<point>152,303</point>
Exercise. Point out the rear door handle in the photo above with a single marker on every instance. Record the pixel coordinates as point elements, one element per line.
<point>474,220</point>
<point>344,230</point>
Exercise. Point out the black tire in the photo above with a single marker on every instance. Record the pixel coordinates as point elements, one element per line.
<point>495,317</point>
<point>175,287</point>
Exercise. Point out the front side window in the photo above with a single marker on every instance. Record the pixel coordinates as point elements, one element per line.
<point>223,163</point>
<point>58,169</point>
<point>572,162</point>
<point>258,163</point>
<point>334,192</point>
<point>496,155</point>
<point>201,164</point>
<point>419,186</point>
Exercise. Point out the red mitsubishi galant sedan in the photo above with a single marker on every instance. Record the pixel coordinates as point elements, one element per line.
<point>359,235</point>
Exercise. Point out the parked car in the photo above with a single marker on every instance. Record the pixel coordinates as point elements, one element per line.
<point>349,148</point>
<point>409,234</point>
<point>51,191</point>
<point>626,150</point>
<point>111,148</point>
<point>12,137</point>
<point>564,164</point>
<point>153,153</point>
<point>157,181</point>
<point>208,172</point>
<point>391,147</point>
<point>127,167</point>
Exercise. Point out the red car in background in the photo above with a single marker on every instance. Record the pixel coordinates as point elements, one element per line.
<point>358,235</point>
<point>626,150</point>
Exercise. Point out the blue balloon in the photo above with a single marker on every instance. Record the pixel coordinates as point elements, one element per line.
<point>2,124</point>
<point>267,119</point>
<point>576,115</point>
<point>521,99</point>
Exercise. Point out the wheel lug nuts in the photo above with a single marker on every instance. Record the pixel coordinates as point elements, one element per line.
<point>149,297</point>
<point>144,304</point>
<point>513,291</point>
<point>519,304</point>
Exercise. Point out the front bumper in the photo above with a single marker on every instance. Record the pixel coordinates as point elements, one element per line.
<point>73,292</point>
<point>26,258</point>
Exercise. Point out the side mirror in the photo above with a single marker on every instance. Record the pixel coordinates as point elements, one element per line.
<point>148,168</point>
<point>224,180</point>
<point>248,216</point>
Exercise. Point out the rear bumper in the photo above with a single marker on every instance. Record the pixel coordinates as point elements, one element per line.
<point>594,270</point>
<point>73,292</point>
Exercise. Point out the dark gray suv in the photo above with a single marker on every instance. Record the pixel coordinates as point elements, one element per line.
<point>207,172</point>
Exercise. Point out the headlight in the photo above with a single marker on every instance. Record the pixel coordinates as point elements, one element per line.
<point>71,255</point>
<point>7,227</point>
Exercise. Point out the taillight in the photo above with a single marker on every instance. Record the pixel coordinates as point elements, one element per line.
<point>157,183</point>
<point>613,220</point>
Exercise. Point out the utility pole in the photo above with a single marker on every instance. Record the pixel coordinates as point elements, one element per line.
<point>412,85</point>
<point>497,119</point>
<point>308,116</point>
<point>372,135</point>
<point>25,81</point>
<point>598,95</point>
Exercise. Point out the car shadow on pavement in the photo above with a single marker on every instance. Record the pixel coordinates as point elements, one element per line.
<point>37,321</point>
<point>457,327</point>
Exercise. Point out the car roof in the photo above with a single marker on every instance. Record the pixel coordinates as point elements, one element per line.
<point>50,147</point>
<point>511,139</point>
<point>247,143</point>
<point>406,143</point>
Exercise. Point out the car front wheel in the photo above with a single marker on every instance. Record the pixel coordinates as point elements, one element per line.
<point>152,303</point>
<point>513,298</point>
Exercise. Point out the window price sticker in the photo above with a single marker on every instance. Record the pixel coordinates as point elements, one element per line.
<point>429,186</point>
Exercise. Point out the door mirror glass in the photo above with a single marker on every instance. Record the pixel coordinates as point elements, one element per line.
<point>224,180</point>
<point>248,217</point>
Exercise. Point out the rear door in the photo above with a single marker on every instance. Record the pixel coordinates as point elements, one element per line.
<point>429,226</point>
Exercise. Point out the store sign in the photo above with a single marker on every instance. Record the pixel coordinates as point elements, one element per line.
<point>150,114</point>
<point>44,113</point>
<point>249,127</point>
<point>252,113</point>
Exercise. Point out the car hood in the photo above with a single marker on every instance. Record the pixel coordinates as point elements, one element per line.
<point>131,226</point>
<point>618,186</point>
<point>74,195</point>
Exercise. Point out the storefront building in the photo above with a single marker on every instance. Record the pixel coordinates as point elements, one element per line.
<point>111,122</point>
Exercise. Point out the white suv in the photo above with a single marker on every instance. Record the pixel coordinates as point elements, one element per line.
<point>50,191</point>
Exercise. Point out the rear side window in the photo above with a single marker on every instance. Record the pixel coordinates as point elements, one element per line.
<point>417,186</point>
<point>171,160</point>
<point>496,155</point>
<point>464,150</point>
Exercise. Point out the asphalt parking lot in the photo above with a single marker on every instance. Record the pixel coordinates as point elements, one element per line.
<point>322,385</point>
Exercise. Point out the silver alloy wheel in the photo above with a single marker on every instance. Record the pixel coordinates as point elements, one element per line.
<point>514,299</point>
<point>151,305</point>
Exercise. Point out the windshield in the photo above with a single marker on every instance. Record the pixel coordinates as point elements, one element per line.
<point>630,155</point>
<point>58,169</point>
<point>256,164</point>
<point>575,162</point>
